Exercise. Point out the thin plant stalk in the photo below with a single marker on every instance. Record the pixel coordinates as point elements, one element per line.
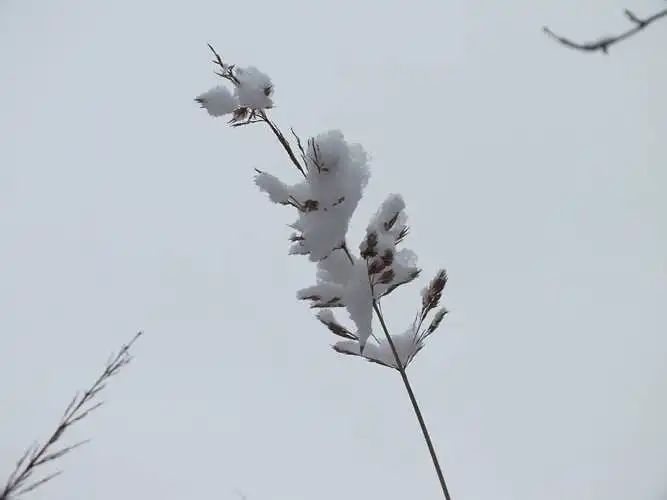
<point>22,480</point>
<point>415,404</point>
<point>283,141</point>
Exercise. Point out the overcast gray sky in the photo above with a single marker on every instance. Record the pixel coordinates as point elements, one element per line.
<point>534,174</point>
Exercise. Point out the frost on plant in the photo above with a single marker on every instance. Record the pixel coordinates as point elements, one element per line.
<point>254,88</point>
<point>407,343</point>
<point>334,174</point>
<point>252,92</point>
<point>218,101</point>
<point>356,282</point>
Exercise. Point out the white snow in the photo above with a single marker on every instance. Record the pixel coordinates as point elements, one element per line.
<point>347,282</point>
<point>359,302</point>
<point>218,101</point>
<point>336,268</point>
<point>322,294</point>
<point>389,209</point>
<point>337,173</point>
<point>385,226</point>
<point>407,343</point>
<point>336,177</point>
<point>405,270</point>
<point>277,190</point>
<point>326,316</point>
<point>254,89</point>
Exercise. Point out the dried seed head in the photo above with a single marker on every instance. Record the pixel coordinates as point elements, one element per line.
<point>387,277</point>
<point>314,298</point>
<point>433,293</point>
<point>388,257</point>
<point>437,319</point>
<point>404,232</point>
<point>310,205</point>
<point>338,201</point>
<point>340,330</point>
<point>367,247</point>
<point>390,223</point>
<point>333,302</point>
<point>376,265</point>
<point>327,318</point>
<point>240,114</point>
<point>318,303</point>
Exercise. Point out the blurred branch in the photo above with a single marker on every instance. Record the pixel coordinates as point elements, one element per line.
<point>21,480</point>
<point>603,44</point>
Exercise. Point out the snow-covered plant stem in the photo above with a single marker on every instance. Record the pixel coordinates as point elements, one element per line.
<point>335,174</point>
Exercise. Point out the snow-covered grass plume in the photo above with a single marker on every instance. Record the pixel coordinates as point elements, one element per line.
<point>333,176</point>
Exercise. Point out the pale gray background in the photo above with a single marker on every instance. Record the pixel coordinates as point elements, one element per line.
<point>535,174</point>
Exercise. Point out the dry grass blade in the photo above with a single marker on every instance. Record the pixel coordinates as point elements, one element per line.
<point>404,281</point>
<point>300,146</point>
<point>342,350</point>
<point>603,44</point>
<point>402,234</point>
<point>334,327</point>
<point>21,480</point>
<point>37,484</point>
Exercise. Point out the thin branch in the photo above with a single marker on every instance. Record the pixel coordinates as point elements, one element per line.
<point>603,44</point>
<point>21,480</point>
<point>283,141</point>
<point>298,143</point>
<point>413,400</point>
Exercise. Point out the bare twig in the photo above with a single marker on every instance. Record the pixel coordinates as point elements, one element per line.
<point>603,44</point>
<point>283,141</point>
<point>21,480</point>
<point>298,143</point>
